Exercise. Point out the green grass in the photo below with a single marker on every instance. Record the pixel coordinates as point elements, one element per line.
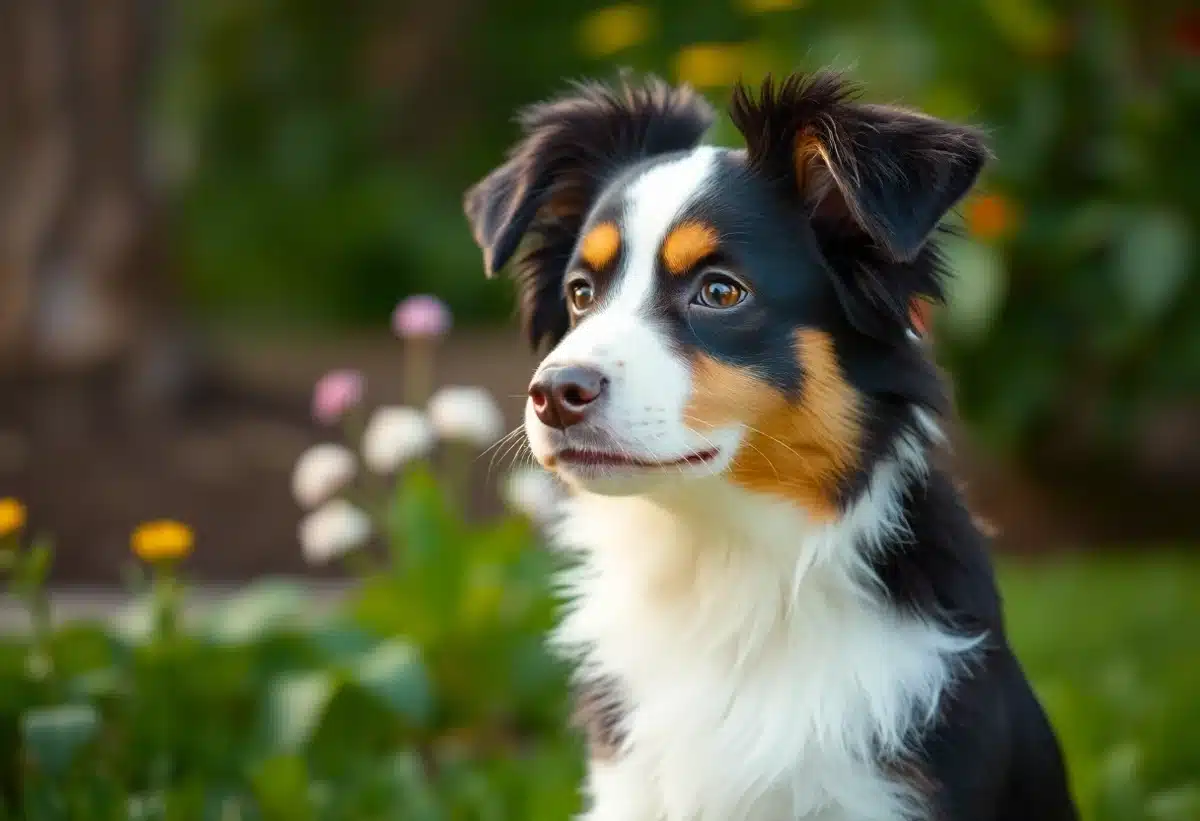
<point>1112,646</point>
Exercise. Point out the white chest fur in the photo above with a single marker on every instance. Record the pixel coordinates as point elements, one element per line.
<point>766,681</point>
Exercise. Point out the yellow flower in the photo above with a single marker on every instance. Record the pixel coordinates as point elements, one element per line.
<point>708,65</point>
<point>614,29</point>
<point>719,65</point>
<point>12,516</point>
<point>991,216</point>
<point>162,540</point>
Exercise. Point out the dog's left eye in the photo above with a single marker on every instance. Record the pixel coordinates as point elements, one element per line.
<point>721,291</point>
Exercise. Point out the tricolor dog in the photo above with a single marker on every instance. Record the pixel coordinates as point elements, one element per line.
<point>778,608</point>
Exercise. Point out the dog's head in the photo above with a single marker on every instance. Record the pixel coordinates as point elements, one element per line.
<point>714,312</point>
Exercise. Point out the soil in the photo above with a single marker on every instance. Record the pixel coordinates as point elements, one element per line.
<point>91,472</point>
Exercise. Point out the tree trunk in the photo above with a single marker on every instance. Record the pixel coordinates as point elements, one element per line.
<point>83,265</point>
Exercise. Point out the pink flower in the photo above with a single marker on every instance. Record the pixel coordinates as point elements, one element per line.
<point>336,393</point>
<point>421,317</point>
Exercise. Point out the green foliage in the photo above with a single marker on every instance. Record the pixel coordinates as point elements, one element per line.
<point>427,694</point>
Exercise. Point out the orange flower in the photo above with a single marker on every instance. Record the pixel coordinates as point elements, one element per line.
<point>991,217</point>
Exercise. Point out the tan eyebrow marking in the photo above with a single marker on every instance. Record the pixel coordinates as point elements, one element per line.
<point>686,244</point>
<point>600,245</point>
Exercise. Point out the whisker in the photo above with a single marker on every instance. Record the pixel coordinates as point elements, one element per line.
<point>501,441</point>
<point>516,449</point>
<point>502,448</point>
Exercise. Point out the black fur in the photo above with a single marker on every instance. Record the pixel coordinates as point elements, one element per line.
<point>876,189</point>
<point>991,754</point>
<point>571,148</point>
<point>832,216</point>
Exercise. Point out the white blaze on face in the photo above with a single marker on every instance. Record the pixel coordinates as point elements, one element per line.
<point>649,382</point>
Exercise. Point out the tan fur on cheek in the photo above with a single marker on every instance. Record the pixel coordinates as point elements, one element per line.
<point>600,246</point>
<point>686,245</point>
<point>800,450</point>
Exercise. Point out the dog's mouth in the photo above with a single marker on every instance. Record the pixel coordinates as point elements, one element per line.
<point>587,458</point>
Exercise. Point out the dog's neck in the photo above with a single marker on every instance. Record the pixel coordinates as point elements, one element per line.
<point>671,538</point>
<point>724,615</point>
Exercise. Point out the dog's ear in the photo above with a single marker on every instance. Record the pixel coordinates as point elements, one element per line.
<point>570,147</point>
<point>875,181</point>
<point>894,173</point>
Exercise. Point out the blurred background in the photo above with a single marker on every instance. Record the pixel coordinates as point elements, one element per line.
<point>206,205</point>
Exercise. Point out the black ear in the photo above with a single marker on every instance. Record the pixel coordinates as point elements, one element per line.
<point>571,147</point>
<point>874,181</point>
<point>894,173</point>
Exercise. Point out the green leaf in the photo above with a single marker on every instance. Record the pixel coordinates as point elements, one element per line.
<point>96,684</point>
<point>420,802</point>
<point>253,613</point>
<point>53,735</point>
<point>379,605</point>
<point>296,703</point>
<point>479,796</point>
<point>281,785</point>
<point>976,290</point>
<point>1152,261</point>
<point>342,642</point>
<point>421,526</point>
<point>395,672</point>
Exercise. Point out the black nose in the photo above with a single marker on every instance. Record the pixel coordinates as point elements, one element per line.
<point>562,396</point>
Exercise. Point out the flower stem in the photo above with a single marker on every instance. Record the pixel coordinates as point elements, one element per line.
<point>166,600</point>
<point>418,370</point>
<point>41,651</point>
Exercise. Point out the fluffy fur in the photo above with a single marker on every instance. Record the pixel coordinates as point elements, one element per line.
<point>778,608</point>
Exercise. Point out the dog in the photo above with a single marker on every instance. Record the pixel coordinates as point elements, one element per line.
<point>777,606</point>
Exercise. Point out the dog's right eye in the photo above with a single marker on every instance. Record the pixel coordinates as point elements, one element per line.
<point>719,291</point>
<point>581,294</point>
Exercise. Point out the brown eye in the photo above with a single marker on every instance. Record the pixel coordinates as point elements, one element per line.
<point>581,295</point>
<point>721,292</point>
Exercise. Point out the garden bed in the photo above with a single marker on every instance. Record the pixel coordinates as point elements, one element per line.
<point>281,702</point>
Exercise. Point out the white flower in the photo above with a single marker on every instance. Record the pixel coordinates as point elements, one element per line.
<point>395,436</point>
<point>320,472</point>
<point>333,530</point>
<point>469,414</point>
<point>534,493</point>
